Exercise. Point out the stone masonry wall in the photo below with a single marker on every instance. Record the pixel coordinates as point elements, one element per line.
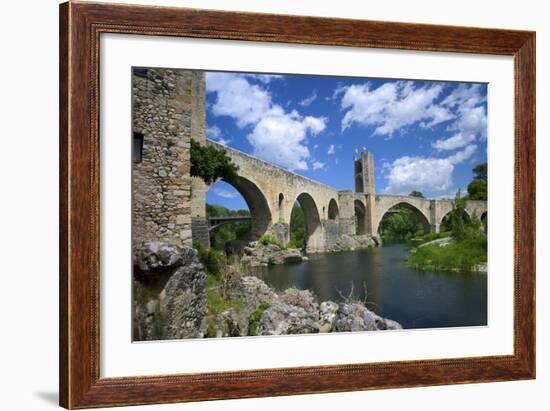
<point>162,113</point>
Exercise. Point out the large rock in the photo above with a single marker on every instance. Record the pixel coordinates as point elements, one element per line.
<point>301,298</point>
<point>183,302</point>
<point>354,242</point>
<point>356,317</point>
<point>258,255</point>
<point>281,318</point>
<point>253,291</point>
<point>230,323</point>
<point>157,255</point>
<point>328,314</point>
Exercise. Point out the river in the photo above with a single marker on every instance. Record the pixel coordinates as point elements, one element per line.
<point>416,299</point>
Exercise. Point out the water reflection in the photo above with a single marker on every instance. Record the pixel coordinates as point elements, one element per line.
<point>413,298</point>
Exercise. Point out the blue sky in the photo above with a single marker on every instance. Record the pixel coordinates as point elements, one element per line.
<point>424,135</point>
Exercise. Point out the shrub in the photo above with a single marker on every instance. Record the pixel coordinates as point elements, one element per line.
<point>294,243</point>
<point>460,255</point>
<point>268,239</point>
<point>214,261</point>
<point>255,317</point>
<point>211,163</point>
<point>215,299</point>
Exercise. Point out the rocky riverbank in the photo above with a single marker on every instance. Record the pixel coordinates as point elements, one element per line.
<point>256,254</point>
<point>355,242</point>
<point>244,305</point>
<point>264,311</point>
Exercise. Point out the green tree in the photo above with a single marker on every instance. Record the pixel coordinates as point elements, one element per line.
<point>211,163</point>
<point>415,193</point>
<point>480,172</point>
<point>297,227</point>
<point>400,224</point>
<point>477,190</point>
<point>458,228</point>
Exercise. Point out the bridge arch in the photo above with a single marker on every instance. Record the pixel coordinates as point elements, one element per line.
<point>446,217</point>
<point>312,218</point>
<point>257,204</point>
<point>424,220</point>
<point>333,211</point>
<point>419,206</point>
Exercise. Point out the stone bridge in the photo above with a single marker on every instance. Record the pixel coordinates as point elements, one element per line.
<point>169,205</point>
<point>270,193</point>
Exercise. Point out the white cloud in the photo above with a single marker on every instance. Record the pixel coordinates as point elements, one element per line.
<point>454,142</point>
<point>277,136</point>
<point>392,106</point>
<point>424,173</point>
<point>308,100</point>
<point>472,117</point>
<point>472,120</point>
<point>222,192</point>
<point>465,95</point>
<point>331,149</point>
<point>264,78</point>
<point>317,165</point>
<point>238,98</point>
<point>465,154</point>
<point>214,133</point>
<point>395,105</point>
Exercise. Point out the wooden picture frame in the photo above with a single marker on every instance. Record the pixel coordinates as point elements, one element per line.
<point>80,27</point>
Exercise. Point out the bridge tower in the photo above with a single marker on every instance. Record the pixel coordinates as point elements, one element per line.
<point>363,167</point>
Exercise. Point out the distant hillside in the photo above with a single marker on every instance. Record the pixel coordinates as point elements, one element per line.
<point>215,210</point>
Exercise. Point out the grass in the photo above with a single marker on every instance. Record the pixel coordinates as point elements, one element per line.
<point>214,261</point>
<point>214,297</point>
<point>215,264</point>
<point>145,291</point>
<point>255,318</point>
<point>294,243</point>
<point>461,255</point>
<point>269,239</point>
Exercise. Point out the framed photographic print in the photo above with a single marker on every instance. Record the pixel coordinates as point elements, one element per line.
<point>257,205</point>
